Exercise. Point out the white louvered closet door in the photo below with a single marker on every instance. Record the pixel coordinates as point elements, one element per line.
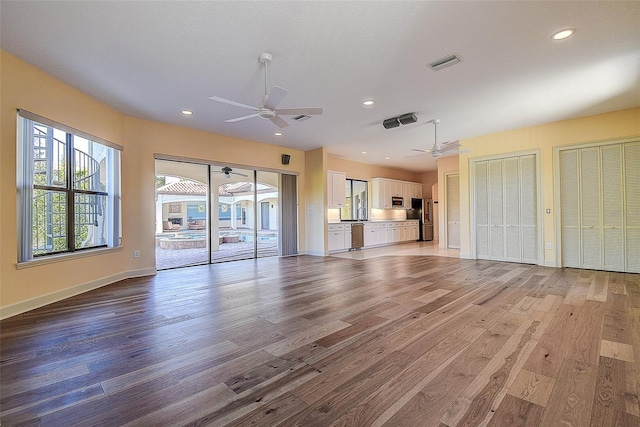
<point>453,211</point>
<point>513,241</point>
<point>612,218</point>
<point>570,208</point>
<point>496,211</point>
<point>632,206</point>
<point>590,208</point>
<point>529,209</point>
<point>600,207</point>
<point>506,209</point>
<point>482,210</point>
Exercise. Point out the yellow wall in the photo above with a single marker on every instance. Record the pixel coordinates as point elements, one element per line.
<point>363,171</point>
<point>24,86</point>
<point>544,138</point>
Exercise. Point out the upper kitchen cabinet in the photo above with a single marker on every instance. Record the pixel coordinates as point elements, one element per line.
<point>384,190</point>
<point>336,195</point>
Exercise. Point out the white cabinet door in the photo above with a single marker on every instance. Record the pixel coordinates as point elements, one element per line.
<point>381,197</point>
<point>407,194</point>
<point>371,234</point>
<point>336,190</point>
<point>416,191</point>
<point>335,240</point>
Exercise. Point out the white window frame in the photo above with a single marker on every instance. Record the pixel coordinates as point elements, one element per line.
<point>25,188</point>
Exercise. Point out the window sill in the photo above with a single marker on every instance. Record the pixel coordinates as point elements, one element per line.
<point>52,259</point>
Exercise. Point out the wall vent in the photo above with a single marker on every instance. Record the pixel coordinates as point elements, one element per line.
<point>301,118</point>
<point>445,62</point>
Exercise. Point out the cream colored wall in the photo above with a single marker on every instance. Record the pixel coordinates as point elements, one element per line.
<point>428,179</point>
<point>24,86</point>
<point>356,170</point>
<point>544,138</point>
<point>314,209</point>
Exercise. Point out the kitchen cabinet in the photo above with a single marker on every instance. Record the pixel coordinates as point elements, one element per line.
<point>372,234</point>
<point>383,190</point>
<point>375,234</point>
<point>336,194</point>
<point>339,237</point>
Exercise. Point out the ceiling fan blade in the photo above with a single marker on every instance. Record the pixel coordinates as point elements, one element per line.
<point>278,121</point>
<point>239,174</point>
<point>237,119</point>
<point>416,155</point>
<point>453,152</point>
<point>450,146</point>
<point>275,97</point>
<point>299,111</point>
<point>237,104</point>
<point>421,151</point>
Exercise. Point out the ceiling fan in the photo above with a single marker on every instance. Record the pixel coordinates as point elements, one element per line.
<point>450,148</point>
<point>227,171</point>
<point>267,107</point>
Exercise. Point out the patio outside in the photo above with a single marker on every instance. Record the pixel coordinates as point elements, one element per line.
<point>181,222</point>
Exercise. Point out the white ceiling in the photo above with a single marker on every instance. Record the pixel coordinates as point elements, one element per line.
<point>153,59</point>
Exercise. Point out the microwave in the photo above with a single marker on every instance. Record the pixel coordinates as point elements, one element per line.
<point>397,202</point>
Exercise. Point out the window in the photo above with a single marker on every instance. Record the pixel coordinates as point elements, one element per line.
<point>69,189</point>
<point>356,205</point>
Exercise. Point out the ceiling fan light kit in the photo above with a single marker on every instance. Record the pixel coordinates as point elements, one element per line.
<point>268,106</point>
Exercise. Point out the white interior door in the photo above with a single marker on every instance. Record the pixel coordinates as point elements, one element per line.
<point>600,207</point>
<point>505,209</point>
<point>453,211</point>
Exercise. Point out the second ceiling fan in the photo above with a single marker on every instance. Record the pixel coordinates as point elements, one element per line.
<point>440,150</point>
<point>267,109</point>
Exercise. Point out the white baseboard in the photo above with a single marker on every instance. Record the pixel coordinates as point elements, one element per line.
<point>41,301</point>
<point>465,255</point>
<point>549,263</point>
<point>313,253</point>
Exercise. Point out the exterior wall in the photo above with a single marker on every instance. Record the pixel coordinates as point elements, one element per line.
<point>601,127</point>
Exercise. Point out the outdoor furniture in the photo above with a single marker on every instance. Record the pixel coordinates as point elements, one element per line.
<point>169,226</point>
<point>198,224</point>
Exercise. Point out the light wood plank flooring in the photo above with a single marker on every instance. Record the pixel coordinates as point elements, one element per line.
<point>391,340</point>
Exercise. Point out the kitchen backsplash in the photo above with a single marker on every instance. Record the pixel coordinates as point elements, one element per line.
<point>388,214</point>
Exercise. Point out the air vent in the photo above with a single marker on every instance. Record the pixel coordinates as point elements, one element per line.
<point>445,62</point>
<point>301,118</point>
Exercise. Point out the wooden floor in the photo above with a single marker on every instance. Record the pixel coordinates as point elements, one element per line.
<point>313,341</point>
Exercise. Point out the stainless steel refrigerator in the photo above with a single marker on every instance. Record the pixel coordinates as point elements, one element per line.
<point>422,210</point>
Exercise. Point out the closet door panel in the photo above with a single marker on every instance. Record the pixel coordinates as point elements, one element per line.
<point>632,206</point>
<point>570,208</point>
<point>529,209</point>
<point>612,218</point>
<point>513,250</point>
<point>453,211</point>
<point>590,208</point>
<point>496,210</point>
<point>482,211</point>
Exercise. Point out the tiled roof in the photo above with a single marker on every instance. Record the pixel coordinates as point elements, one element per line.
<point>195,188</point>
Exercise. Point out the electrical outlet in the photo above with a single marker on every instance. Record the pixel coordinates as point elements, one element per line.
<point>549,246</point>
<point>136,254</point>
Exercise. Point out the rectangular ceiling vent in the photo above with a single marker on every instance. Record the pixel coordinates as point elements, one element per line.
<point>445,62</point>
<point>301,118</point>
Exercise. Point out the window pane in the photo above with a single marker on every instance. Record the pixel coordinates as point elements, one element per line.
<point>49,222</point>
<point>90,221</point>
<point>49,152</point>
<point>90,165</point>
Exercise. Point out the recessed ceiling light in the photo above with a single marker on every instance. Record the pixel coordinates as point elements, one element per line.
<point>278,134</point>
<point>563,34</point>
<point>187,112</point>
<point>387,157</point>
<point>363,153</point>
<point>368,102</point>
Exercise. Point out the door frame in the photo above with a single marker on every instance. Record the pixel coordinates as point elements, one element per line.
<point>472,198</point>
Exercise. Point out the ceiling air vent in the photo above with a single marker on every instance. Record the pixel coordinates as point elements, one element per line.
<point>445,62</point>
<point>301,118</point>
